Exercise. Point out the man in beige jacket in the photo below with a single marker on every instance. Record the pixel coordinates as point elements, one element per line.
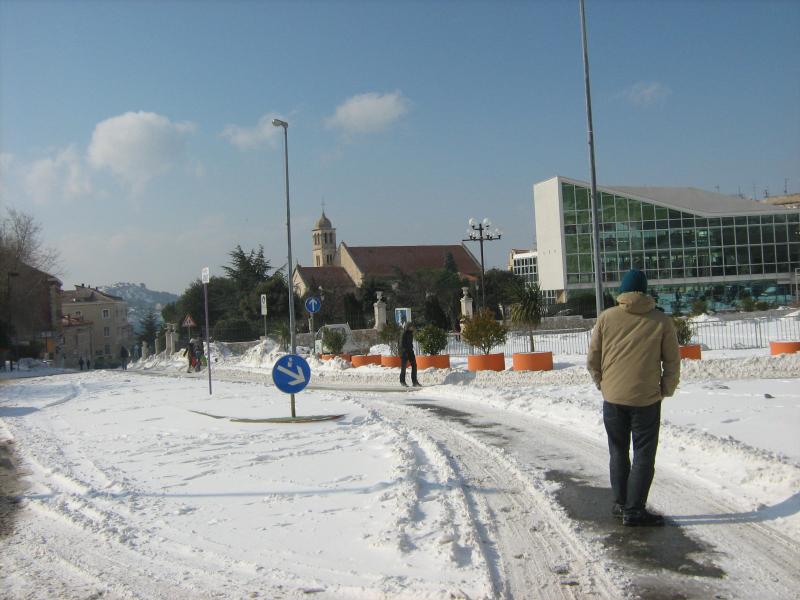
<point>635,362</point>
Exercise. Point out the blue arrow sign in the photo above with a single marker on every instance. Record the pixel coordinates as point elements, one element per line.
<point>313,304</point>
<point>291,373</point>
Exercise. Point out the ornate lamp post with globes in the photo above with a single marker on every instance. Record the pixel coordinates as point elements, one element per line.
<point>481,231</point>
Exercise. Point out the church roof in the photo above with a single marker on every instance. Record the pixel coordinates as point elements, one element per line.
<point>328,277</point>
<point>383,261</point>
<point>323,222</point>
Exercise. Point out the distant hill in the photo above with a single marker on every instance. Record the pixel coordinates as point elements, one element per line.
<point>140,300</point>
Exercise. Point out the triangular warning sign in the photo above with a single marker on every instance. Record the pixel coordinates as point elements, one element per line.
<point>189,321</point>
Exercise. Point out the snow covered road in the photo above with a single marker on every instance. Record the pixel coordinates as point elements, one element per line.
<point>477,489</point>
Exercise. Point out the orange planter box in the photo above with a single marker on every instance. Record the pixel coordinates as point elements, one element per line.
<point>486,362</point>
<point>533,361</point>
<point>692,351</point>
<point>390,361</point>
<point>347,357</point>
<point>438,361</point>
<point>783,347</point>
<point>361,360</point>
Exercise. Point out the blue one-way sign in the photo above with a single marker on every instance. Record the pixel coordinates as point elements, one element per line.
<point>291,373</point>
<point>313,304</point>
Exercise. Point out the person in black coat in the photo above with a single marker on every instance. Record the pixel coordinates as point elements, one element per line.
<point>407,355</point>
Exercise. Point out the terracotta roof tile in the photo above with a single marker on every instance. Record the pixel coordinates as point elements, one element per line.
<point>381,261</point>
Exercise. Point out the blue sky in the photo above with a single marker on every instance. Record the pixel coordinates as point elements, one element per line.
<point>138,133</point>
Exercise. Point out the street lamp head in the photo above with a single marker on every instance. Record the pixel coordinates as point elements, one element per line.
<point>486,222</point>
<point>279,123</point>
<point>472,222</point>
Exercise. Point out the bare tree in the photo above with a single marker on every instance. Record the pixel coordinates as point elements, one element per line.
<point>21,243</point>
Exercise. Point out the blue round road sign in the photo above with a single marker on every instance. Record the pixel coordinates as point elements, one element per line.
<point>313,304</point>
<point>291,374</point>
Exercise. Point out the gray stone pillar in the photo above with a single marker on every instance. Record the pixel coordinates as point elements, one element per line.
<point>158,346</point>
<point>171,334</point>
<point>380,312</point>
<point>145,350</point>
<point>466,304</point>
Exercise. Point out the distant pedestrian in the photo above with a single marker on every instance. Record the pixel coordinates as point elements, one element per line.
<point>123,357</point>
<point>188,352</point>
<point>80,363</point>
<point>407,355</point>
<point>635,362</point>
<point>88,364</point>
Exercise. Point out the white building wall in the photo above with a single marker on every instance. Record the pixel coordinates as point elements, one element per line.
<point>549,234</point>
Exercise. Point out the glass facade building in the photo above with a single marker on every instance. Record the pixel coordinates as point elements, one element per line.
<point>700,245</point>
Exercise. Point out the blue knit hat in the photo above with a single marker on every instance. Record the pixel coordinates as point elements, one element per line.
<point>633,281</point>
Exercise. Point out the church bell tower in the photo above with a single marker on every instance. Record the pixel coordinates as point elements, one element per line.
<point>323,244</point>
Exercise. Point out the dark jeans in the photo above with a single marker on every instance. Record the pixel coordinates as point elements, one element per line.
<point>631,483</point>
<point>410,357</point>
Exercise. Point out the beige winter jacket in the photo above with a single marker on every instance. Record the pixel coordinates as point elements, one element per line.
<point>633,356</point>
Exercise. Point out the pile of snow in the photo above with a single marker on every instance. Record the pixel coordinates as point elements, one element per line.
<point>705,318</point>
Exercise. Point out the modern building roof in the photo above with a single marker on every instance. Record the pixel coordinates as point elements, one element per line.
<point>328,277</point>
<point>693,199</point>
<point>384,261</point>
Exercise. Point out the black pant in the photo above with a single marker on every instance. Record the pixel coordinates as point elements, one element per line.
<point>410,357</point>
<point>631,483</point>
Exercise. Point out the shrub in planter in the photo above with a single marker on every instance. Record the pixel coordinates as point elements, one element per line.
<point>684,330</point>
<point>390,334</point>
<point>483,331</point>
<point>432,340</point>
<point>333,340</point>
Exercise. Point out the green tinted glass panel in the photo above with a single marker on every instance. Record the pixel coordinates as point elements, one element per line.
<point>649,239</point>
<point>584,216</point>
<point>568,192</point>
<point>586,263</point>
<point>688,238</point>
<point>571,244</point>
<point>794,232</point>
<point>728,238</point>
<point>702,237</point>
<point>648,212</point>
<point>661,213</point>
<point>740,220</point>
<point>780,219</point>
<point>581,198</point>
<point>622,208</point>
<point>754,234</point>
<point>781,234</point>
<point>634,210</point>
<point>569,219</point>
<point>768,233</point>
<point>662,237</point>
<point>584,243</point>
<point>727,221</point>
<point>716,236</point>
<point>741,235</point>
<point>572,263</point>
<point>636,240</point>
<point>609,214</point>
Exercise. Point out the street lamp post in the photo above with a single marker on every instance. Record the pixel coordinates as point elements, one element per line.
<point>480,231</point>
<point>285,125</point>
<point>11,319</point>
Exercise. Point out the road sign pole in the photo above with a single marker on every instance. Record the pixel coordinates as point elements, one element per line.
<point>205,278</point>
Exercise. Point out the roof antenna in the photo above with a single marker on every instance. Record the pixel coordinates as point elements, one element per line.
<point>785,186</point>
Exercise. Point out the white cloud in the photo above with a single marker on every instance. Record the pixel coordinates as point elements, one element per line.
<point>369,113</point>
<point>646,93</point>
<point>138,146</point>
<point>62,177</point>
<point>247,138</point>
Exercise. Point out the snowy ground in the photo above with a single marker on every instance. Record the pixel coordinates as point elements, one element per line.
<point>477,486</point>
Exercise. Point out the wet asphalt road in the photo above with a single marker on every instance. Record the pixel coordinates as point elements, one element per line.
<point>664,563</point>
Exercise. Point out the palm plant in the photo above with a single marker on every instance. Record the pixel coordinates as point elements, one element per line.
<point>528,308</point>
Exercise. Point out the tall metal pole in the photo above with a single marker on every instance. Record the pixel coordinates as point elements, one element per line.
<point>598,284</point>
<point>483,285</point>
<point>285,126</point>
<point>208,339</point>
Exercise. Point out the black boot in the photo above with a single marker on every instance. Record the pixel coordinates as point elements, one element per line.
<point>642,518</point>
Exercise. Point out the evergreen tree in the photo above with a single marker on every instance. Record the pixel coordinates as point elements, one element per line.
<point>248,270</point>
<point>450,263</point>
<point>149,327</point>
